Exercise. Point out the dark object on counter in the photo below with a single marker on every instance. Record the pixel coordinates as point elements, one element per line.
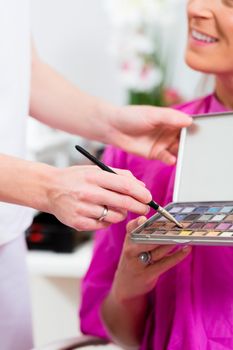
<point>48,233</point>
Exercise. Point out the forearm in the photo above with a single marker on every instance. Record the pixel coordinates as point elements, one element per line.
<point>125,320</point>
<point>61,105</point>
<point>24,183</point>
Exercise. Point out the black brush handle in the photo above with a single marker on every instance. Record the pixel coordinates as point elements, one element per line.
<point>104,167</point>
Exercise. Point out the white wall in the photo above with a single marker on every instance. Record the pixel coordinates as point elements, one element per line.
<point>72,35</point>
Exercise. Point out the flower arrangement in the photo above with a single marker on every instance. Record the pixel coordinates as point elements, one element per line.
<point>138,48</point>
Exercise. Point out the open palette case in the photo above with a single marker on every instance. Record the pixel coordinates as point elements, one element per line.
<point>203,193</point>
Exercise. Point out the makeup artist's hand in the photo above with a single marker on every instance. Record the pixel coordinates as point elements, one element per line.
<point>132,278</point>
<point>151,132</point>
<point>79,194</point>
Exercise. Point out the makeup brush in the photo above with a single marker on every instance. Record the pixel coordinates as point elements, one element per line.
<point>152,203</point>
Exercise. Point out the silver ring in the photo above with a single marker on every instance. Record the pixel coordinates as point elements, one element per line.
<point>145,258</point>
<point>104,214</point>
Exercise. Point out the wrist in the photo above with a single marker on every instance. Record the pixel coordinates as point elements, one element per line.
<point>25,183</point>
<point>107,115</point>
<point>43,178</point>
<point>119,297</point>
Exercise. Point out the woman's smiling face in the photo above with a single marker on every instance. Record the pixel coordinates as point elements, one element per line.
<point>210,36</point>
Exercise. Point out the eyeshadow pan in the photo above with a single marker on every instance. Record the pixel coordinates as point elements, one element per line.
<point>213,233</point>
<point>180,217</point>
<point>187,210</point>
<point>191,217</point>
<point>196,225</point>
<point>199,233</point>
<point>186,224</point>
<point>148,230</point>
<point>185,233</point>
<point>156,233</point>
<point>175,210</point>
<point>213,210</point>
<point>229,218</point>
<point>205,217</point>
<point>169,225</point>
<point>161,218</point>
<point>218,217</point>
<point>226,209</point>
<point>223,226</point>
<point>200,210</point>
<point>226,234</point>
<point>210,225</point>
<point>157,224</point>
<point>171,233</point>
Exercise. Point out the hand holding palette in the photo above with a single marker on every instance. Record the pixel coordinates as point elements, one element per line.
<point>204,223</point>
<point>203,192</point>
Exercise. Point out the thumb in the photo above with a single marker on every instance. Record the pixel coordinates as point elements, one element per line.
<point>135,223</point>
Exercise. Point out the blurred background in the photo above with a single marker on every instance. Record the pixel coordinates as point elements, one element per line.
<point>124,51</point>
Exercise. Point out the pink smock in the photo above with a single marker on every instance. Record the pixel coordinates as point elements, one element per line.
<point>191,307</point>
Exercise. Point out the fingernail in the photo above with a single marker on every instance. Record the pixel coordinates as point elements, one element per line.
<point>147,210</point>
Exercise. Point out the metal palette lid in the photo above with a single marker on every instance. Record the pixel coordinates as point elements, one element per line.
<point>205,160</point>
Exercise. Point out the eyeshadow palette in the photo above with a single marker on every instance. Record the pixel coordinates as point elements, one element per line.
<point>204,223</point>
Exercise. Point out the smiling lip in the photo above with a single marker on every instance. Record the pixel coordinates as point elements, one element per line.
<point>200,38</point>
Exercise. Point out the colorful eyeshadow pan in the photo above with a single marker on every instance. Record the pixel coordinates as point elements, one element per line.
<point>205,217</point>
<point>226,234</point>
<point>180,217</point>
<point>185,233</point>
<point>196,225</point>
<point>162,218</point>
<point>157,224</point>
<point>213,210</point>
<point>169,225</point>
<point>199,233</point>
<point>212,233</point>
<point>186,224</point>
<point>201,210</point>
<point>192,217</point>
<point>218,217</point>
<point>171,233</point>
<point>175,210</point>
<point>226,210</point>
<point>210,225</point>
<point>187,210</point>
<point>202,223</point>
<point>223,226</point>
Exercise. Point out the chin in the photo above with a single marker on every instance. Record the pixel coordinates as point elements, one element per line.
<point>197,63</point>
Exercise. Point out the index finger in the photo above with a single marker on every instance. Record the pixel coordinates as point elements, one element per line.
<point>174,118</point>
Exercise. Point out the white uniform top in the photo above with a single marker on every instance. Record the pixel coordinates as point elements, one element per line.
<point>14,101</point>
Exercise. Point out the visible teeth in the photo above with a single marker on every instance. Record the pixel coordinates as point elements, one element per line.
<point>202,37</point>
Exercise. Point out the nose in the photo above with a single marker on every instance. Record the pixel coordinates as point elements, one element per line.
<point>200,8</point>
